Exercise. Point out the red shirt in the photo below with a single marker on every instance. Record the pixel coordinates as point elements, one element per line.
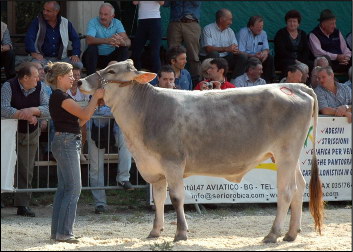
<point>225,85</point>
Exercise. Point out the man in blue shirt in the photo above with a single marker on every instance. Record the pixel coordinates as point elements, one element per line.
<point>48,36</point>
<point>106,39</point>
<point>253,42</point>
<point>184,28</point>
<point>176,57</point>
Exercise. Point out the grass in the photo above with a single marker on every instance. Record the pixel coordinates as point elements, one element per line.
<point>164,246</point>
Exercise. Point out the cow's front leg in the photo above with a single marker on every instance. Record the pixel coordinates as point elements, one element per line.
<point>159,190</point>
<point>176,192</point>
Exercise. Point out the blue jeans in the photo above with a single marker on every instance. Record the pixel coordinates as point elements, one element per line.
<point>96,171</point>
<point>66,148</point>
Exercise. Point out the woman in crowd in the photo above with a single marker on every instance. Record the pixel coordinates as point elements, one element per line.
<point>67,116</point>
<point>291,43</point>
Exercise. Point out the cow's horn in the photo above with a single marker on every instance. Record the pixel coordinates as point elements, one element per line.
<point>145,77</point>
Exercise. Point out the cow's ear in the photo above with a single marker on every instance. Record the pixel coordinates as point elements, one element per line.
<point>145,77</point>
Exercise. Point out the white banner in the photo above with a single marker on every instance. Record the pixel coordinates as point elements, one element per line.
<point>334,153</point>
<point>8,154</point>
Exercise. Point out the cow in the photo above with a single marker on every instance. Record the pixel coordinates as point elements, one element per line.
<point>173,134</point>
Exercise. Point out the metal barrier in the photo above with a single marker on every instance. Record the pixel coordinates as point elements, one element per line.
<point>44,171</point>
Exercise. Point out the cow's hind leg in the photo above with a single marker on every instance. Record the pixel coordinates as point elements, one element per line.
<point>159,190</point>
<point>285,189</point>
<point>296,207</point>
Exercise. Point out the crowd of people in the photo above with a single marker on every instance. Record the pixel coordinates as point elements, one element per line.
<point>218,58</point>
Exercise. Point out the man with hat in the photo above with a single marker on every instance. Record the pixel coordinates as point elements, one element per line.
<point>326,40</point>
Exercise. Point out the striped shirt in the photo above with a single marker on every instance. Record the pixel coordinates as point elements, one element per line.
<point>213,36</point>
<point>244,81</point>
<point>252,44</point>
<point>6,94</point>
<point>327,99</point>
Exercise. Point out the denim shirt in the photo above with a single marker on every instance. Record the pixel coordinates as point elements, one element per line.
<point>179,9</point>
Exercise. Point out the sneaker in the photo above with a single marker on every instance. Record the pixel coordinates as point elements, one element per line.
<point>25,211</point>
<point>126,185</point>
<point>99,209</point>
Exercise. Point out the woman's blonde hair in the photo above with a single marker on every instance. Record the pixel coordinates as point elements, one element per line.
<point>53,70</point>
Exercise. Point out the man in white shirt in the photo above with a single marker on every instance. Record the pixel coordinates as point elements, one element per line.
<point>218,40</point>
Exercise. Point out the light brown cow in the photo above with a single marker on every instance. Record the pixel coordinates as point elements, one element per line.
<point>173,134</point>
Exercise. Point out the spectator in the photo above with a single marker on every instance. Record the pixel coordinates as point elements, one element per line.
<point>334,98</point>
<point>217,72</point>
<point>176,57</point>
<point>7,53</point>
<point>47,38</point>
<point>44,123</point>
<point>321,61</point>
<point>349,40</point>
<point>305,71</point>
<point>149,28</point>
<point>252,75</point>
<point>106,39</point>
<point>24,98</point>
<point>218,40</point>
<point>291,43</point>
<point>81,98</point>
<point>166,77</point>
<point>253,42</point>
<point>205,65</point>
<point>326,40</point>
<point>349,81</point>
<point>184,28</point>
<point>294,75</point>
<point>68,116</point>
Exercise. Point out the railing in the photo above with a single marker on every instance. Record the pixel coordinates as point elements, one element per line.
<point>44,171</point>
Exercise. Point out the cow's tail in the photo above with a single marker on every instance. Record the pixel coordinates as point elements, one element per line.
<point>316,204</point>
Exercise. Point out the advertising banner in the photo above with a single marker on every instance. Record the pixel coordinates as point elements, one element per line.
<point>334,153</point>
<point>8,154</point>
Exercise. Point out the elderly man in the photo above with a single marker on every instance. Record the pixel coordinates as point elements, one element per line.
<point>218,40</point>
<point>24,98</point>
<point>106,39</point>
<point>7,53</point>
<point>253,42</point>
<point>326,40</point>
<point>252,75</point>
<point>334,98</point>
<point>217,76</point>
<point>47,38</point>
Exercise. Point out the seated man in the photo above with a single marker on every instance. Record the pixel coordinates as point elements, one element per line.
<point>252,75</point>
<point>25,99</point>
<point>326,40</point>
<point>349,81</point>
<point>217,72</point>
<point>294,75</point>
<point>7,53</point>
<point>48,36</point>
<point>166,77</point>
<point>176,57</point>
<point>106,40</point>
<point>334,98</point>
<point>218,40</point>
<point>253,42</point>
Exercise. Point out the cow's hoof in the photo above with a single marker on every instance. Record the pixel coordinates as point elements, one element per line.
<point>153,235</point>
<point>270,238</point>
<point>299,230</point>
<point>289,238</point>
<point>180,237</point>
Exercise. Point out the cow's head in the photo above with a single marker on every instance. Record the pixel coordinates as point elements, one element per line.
<point>122,72</point>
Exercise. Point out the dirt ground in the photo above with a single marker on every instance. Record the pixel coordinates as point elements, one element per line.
<point>236,227</point>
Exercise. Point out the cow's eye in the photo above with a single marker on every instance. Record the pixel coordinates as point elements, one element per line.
<point>111,72</point>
